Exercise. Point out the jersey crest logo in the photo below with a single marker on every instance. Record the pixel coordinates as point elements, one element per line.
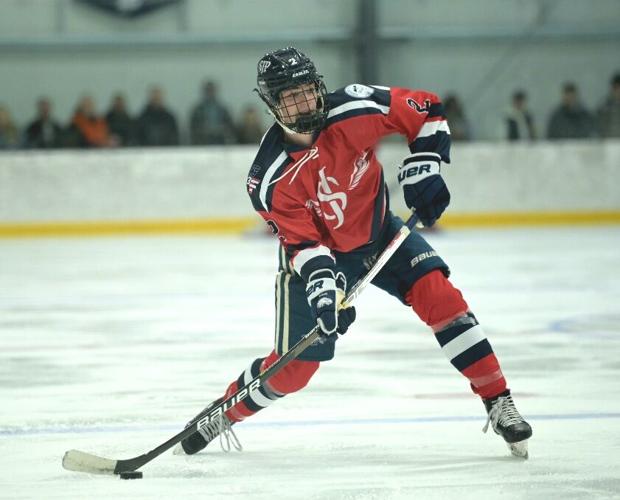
<point>420,109</point>
<point>360,166</point>
<point>337,201</point>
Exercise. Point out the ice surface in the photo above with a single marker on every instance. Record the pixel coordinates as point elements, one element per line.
<point>109,345</point>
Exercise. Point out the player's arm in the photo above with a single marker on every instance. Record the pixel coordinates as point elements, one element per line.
<point>375,112</point>
<point>419,115</point>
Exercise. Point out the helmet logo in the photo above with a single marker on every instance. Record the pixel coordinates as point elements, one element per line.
<point>293,61</point>
<point>263,66</point>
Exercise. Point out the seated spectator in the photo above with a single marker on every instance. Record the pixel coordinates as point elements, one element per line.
<point>518,119</point>
<point>156,125</point>
<point>88,129</point>
<point>120,124</point>
<point>9,136</point>
<point>457,121</point>
<point>210,121</point>
<point>250,129</point>
<point>43,132</point>
<point>570,120</point>
<point>609,112</point>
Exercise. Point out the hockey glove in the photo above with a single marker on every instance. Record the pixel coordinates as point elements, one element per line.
<point>424,189</point>
<point>325,292</point>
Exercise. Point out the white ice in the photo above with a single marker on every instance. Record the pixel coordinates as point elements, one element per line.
<point>110,345</point>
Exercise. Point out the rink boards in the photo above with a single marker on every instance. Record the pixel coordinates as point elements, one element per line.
<point>202,190</point>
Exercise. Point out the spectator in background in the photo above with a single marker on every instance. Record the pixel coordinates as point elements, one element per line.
<point>156,125</point>
<point>43,132</point>
<point>250,130</point>
<point>609,112</point>
<point>120,124</point>
<point>518,119</point>
<point>457,121</point>
<point>9,136</point>
<point>570,120</point>
<point>87,128</point>
<point>210,121</point>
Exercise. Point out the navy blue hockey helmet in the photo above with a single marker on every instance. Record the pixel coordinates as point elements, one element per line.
<point>285,69</point>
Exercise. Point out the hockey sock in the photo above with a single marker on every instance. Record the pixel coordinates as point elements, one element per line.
<point>442,307</point>
<point>293,377</point>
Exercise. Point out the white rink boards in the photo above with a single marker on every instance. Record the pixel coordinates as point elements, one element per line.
<point>110,344</point>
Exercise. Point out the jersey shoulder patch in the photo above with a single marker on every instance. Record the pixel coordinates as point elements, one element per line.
<point>357,100</point>
<point>268,164</point>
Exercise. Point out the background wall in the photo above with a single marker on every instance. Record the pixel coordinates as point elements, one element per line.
<point>203,189</point>
<point>481,49</point>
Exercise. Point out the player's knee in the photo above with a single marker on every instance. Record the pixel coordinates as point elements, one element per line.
<point>435,300</point>
<point>294,376</point>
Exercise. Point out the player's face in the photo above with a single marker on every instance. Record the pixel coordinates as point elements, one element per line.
<point>297,101</point>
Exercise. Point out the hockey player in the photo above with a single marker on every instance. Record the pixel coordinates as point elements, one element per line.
<point>318,184</point>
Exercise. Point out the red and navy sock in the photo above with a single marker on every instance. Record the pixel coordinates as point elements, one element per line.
<point>442,307</point>
<point>293,377</point>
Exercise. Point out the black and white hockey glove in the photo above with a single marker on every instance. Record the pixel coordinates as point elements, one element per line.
<point>325,291</point>
<point>424,189</point>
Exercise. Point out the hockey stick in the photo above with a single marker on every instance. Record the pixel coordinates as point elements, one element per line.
<point>80,461</point>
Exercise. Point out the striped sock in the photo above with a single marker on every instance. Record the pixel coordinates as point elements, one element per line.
<point>257,400</point>
<point>465,345</point>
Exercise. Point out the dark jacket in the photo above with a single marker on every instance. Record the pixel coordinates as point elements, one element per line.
<point>157,127</point>
<point>570,123</point>
<point>43,134</point>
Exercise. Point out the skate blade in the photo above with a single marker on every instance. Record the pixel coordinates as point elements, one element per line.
<point>519,449</point>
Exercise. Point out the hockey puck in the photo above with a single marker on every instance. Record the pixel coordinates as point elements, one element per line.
<point>136,474</point>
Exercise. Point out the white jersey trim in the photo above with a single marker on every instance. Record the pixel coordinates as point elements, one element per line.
<point>343,108</point>
<point>431,128</point>
<point>262,195</point>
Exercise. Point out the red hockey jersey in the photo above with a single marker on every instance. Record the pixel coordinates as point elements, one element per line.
<point>331,196</point>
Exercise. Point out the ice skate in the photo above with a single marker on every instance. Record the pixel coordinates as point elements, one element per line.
<point>508,423</point>
<point>220,426</point>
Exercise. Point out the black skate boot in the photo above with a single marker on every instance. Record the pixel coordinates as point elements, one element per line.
<point>220,426</point>
<point>508,423</point>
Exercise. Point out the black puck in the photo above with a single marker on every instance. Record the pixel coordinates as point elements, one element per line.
<point>136,474</point>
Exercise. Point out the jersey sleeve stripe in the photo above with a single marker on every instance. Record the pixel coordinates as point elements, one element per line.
<point>269,174</point>
<point>431,128</point>
<point>437,109</point>
<point>343,108</point>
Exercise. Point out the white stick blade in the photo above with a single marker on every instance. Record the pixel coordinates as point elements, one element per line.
<point>80,461</point>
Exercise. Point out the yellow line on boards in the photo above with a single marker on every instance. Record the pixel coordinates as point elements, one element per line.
<point>242,224</point>
<point>136,227</point>
<point>506,219</point>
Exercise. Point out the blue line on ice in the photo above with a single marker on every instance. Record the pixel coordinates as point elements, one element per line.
<point>83,429</point>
